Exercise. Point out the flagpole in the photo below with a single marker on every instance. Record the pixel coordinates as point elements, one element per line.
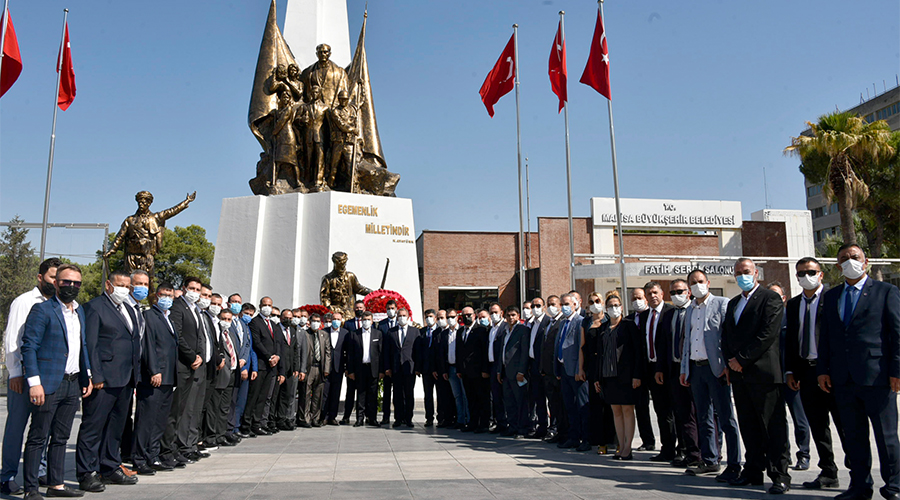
<point>562,26</point>
<point>519,177</point>
<point>3,32</point>
<point>527,214</point>
<point>612,141</point>
<point>62,41</point>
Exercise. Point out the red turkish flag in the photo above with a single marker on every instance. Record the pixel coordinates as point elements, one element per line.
<point>12,60</point>
<point>596,71</point>
<point>67,77</point>
<point>558,67</point>
<point>502,77</point>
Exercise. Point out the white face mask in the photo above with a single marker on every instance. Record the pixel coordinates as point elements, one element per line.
<point>537,310</point>
<point>639,305</point>
<point>119,294</point>
<point>596,308</point>
<point>265,310</point>
<point>191,296</point>
<point>699,290</point>
<point>315,325</point>
<point>495,318</point>
<point>442,323</point>
<point>275,319</point>
<point>367,324</point>
<point>809,282</point>
<point>680,300</point>
<point>214,309</point>
<point>203,303</point>
<point>295,321</point>
<point>451,322</point>
<point>225,324</point>
<point>403,320</point>
<point>853,269</point>
<point>553,310</point>
<point>391,313</point>
<point>429,320</point>
<point>527,313</point>
<point>614,311</point>
<point>302,320</point>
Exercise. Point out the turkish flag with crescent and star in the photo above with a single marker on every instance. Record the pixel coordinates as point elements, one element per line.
<point>12,60</point>
<point>67,74</point>
<point>596,71</point>
<point>558,67</point>
<point>502,77</point>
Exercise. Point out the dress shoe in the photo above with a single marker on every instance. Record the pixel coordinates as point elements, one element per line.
<point>285,427</point>
<point>481,430</point>
<point>161,467</point>
<point>662,457</point>
<point>705,468</point>
<point>508,433</point>
<point>118,477</point>
<point>65,491</point>
<point>429,423</point>
<point>730,473</point>
<point>373,423</point>
<point>184,459</point>
<point>359,423</point>
<point>822,482</point>
<point>410,425</point>
<point>91,482</point>
<point>396,424</point>
<point>33,495</point>
<point>746,481</point>
<point>259,431</point>
<point>855,495</point>
<point>679,458</point>
<point>331,421</point>
<point>458,426</point>
<point>779,488</point>
<point>178,465</point>
<point>127,471</point>
<point>647,447</point>
<point>305,425</point>
<point>551,438</point>
<point>243,434</point>
<point>802,463</point>
<point>584,446</point>
<point>569,443</point>
<point>630,456</point>
<point>316,423</point>
<point>11,487</point>
<point>227,442</point>
<point>385,422</point>
<point>144,470</point>
<point>887,494</point>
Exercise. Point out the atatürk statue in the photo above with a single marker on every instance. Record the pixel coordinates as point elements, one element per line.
<point>340,287</point>
<point>316,127</point>
<point>142,233</point>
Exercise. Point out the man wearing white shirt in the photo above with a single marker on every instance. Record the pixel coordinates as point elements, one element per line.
<point>537,397</point>
<point>364,369</point>
<point>495,341</point>
<point>18,408</point>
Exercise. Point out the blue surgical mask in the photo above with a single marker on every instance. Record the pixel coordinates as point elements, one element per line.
<point>745,281</point>
<point>335,324</point>
<point>164,303</point>
<point>567,311</point>
<point>246,319</point>
<point>140,292</point>
<point>484,321</point>
<point>235,307</point>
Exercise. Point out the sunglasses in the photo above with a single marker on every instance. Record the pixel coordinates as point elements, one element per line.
<point>76,284</point>
<point>598,301</point>
<point>676,292</point>
<point>801,274</point>
<point>451,317</point>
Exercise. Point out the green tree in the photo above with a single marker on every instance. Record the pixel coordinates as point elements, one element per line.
<point>18,267</point>
<point>836,153</point>
<point>879,217</point>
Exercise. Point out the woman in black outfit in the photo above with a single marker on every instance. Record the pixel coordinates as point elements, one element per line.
<point>619,367</point>
<point>602,431</point>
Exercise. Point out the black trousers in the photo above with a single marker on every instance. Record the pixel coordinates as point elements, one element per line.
<point>859,405</point>
<point>446,403</point>
<point>287,393</point>
<point>180,436</point>
<point>366,394</point>
<point>52,420</point>
<point>404,402</point>
<point>386,385</point>
<point>333,384</point>
<point>349,400</point>
<point>429,384</point>
<point>150,418</point>
<point>762,420</point>
<point>685,418</point>
<point>498,409</point>
<point>559,421</point>
<point>665,417</point>
<point>642,412</point>
<point>100,434</point>
<point>257,395</point>
<point>478,395</point>
<point>128,432</point>
<point>817,405</point>
<point>537,399</point>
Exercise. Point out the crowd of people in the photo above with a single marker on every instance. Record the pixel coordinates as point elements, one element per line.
<point>162,386</point>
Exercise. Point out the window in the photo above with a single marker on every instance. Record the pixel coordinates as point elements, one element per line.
<point>833,209</point>
<point>818,212</point>
<point>457,298</point>
<point>813,190</point>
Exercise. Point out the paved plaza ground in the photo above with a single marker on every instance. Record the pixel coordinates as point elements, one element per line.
<point>367,463</point>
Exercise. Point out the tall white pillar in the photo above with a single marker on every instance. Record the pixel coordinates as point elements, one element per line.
<point>308,23</point>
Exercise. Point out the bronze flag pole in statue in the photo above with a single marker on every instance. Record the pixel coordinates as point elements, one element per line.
<point>141,234</point>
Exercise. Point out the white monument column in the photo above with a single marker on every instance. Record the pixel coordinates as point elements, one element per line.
<point>308,23</point>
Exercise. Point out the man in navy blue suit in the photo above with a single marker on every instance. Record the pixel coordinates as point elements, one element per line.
<point>114,347</point>
<point>514,367</point>
<point>57,370</point>
<point>387,383</point>
<point>859,359</point>
<point>400,365</point>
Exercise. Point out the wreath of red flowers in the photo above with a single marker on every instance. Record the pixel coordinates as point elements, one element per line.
<point>316,308</point>
<point>376,302</point>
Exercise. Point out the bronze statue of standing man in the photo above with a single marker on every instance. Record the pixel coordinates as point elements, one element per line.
<point>142,233</point>
<point>340,287</point>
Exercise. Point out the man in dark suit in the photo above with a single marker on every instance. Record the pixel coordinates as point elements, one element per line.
<point>337,335</point>
<point>649,321</point>
<point>567,369</point>
<point>670,339</point>
<point>536,399</point>
<point>319,366</point>
<point>364,369</point>
<point>113,343</point>
<point>351,325</point>
<point>159,357</point>
<point>473,369</point>
<point>240,336</point>
<point>400,366</point>
<point>859,359</point>
<point>218,371</point>
<point>804,320</point>
<point>514,367</point>
<point>452,407</point>
<point>558,423</point>
<point>262,332</point>
<point>750,334</point>
<point>289,367</point>
<point>56,367</point>
<point>495,331</point>
<point>427,360</point>
<point>387,383</point>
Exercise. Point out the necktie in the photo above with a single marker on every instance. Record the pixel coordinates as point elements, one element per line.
<point>270,329</point>
<point>562,338</point>
<point>429,337</point>
<point>402,336</point>
<point>848,305</point>
<point>679,338</point>
<point>804,341</point>
<point>316,346</point>
<point>652,328</point>
<point>230,348</point>
<point>287,334</point>
<point>124,312</point>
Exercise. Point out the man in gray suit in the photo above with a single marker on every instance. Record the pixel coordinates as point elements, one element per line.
<point>319,362</point>
<point>571,376</point>
<point>703,369</point>
<point>514,360</point>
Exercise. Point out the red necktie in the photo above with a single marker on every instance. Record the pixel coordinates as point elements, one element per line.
<point>652,327</point>
<point>270,329</point>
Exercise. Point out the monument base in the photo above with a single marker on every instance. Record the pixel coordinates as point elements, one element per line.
<point>281,246</point>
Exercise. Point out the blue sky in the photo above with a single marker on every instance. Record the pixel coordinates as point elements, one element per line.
<point>705,94</point>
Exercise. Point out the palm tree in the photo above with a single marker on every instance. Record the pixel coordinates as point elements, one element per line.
<point>834,153</point>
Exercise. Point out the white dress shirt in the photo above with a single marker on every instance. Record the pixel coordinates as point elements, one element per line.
<point>535,326</point>
<point>15,327</point>
<point>451,345</point>
<point>366,340</point>
<point>494,331</point>
<point>742,303</point>
<point>698,323</point>
<point>813,312</point>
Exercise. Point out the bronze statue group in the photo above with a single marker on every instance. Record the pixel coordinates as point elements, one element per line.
<point>166,378</point>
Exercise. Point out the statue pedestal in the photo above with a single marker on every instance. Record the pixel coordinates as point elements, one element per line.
<point>281,246</point>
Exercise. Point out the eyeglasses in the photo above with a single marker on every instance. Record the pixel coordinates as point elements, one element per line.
<point>72,283</point>
<point>451,317</point>
<point>598,301</point>
<point>676,292</point>
<point>810,272</point>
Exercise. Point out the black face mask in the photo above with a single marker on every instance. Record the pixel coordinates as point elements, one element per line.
<point>464,320</point>
<point>47,289</point>
<point>68,293</point>
<point>359,313</point>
